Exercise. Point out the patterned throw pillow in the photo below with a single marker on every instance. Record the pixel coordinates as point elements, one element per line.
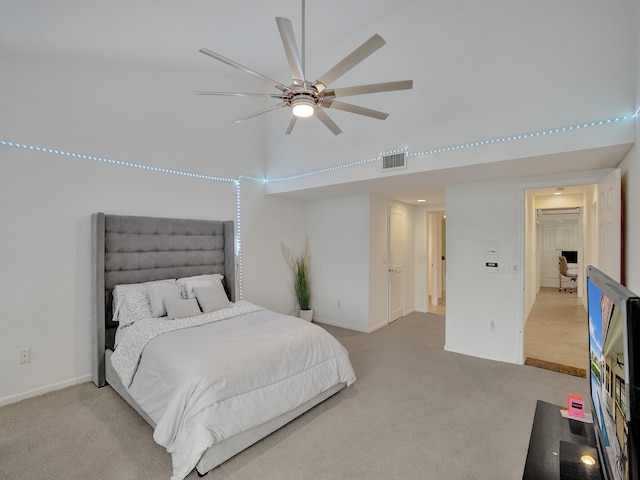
<point>134,306</point>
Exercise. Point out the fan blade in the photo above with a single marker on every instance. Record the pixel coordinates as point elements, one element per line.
<point>291,124</point>
<point>350,61</point>
<point>330,124</point>
<point>372,88</point>
<point>266,110</point>
<point>240,94</point>
<point>290,48</point>
<point>244,69</point>
<point>347,107</point>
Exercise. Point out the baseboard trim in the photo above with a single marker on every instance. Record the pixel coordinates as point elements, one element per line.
<point>36,392</point>
<point>556,367</point>
<point>348,326</point>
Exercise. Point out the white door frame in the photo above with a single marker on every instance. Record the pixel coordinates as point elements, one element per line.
<point>581,178</point>
<point>395,270</point>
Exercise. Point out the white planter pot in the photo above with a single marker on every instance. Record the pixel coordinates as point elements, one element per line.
<point>306,315</point>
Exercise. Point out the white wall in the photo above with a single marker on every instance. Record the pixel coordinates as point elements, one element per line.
<point>631,219</point>
<point>630,168</point>
<point>46,204</point>
<point>338,230</point>
<point>266,222</point>
<point>494,210</point>
<point>476,212</point>
<point>349,257</point>
<point>127,113</point>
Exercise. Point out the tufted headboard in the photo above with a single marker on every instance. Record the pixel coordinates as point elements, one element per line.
<point>129,249</point>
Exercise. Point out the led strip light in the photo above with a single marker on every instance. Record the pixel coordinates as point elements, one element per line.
<point>461,146</point>
<point>236,182</point>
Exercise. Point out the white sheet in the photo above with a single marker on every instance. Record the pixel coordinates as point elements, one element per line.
<point>207,383</point>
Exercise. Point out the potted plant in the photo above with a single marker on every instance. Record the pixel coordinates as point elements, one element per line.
<point>301,280</point>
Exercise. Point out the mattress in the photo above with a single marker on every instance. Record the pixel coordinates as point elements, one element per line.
<point>206,383</point>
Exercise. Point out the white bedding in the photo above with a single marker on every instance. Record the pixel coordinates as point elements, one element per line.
<point>206,383</point>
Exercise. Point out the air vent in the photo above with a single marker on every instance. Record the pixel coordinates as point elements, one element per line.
<point>396,160</point>
<point>559,211</point>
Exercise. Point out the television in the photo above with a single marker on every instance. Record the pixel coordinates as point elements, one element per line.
<point>614,374</point>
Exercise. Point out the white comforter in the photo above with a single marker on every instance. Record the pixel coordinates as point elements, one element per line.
<point>206,383</point>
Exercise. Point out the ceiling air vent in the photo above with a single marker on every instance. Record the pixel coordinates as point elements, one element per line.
<point>397,160</point>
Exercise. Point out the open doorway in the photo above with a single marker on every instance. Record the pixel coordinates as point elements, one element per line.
<point>437,261</point>
<point>584,219</point>
<point>555,327</point>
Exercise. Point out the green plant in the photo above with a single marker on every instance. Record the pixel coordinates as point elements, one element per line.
<point>301,280</point>
<point>302,285</point>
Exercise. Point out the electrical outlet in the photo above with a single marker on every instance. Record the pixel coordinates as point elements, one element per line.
<point>492,326</point>
<point>25,356</point>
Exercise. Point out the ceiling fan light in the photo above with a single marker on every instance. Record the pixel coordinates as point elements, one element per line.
<point>303,107</point>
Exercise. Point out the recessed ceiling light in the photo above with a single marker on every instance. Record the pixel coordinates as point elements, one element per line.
<point>421,200</point>
<point>559,191</point>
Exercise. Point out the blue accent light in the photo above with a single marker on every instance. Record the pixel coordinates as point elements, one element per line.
<point>238,241</point>
<point>236,182</point>
<point>117,162</point>
<point>477,143</point>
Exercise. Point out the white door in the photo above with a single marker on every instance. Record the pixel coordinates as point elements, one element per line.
<point>609,225</point>
<point>556,238</point>
<point>396,263</point>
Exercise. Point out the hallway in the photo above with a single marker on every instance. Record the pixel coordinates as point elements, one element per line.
<point>556,335</point>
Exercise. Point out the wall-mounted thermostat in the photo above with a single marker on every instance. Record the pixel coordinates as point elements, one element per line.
<point>490,246</point>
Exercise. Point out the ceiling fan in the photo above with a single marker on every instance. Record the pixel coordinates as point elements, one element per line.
<point>307,98</point>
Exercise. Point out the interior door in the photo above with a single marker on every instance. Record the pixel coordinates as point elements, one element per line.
<point>609,225</point>
<point>396,262</point>
<point>555,239</point>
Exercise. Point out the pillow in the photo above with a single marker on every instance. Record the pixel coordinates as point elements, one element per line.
<point>181,308</point>
<point>119,291</point>
<point>212,298</point>
<point>187,284</point>
<point>133,306</point>
<point>158,293</point>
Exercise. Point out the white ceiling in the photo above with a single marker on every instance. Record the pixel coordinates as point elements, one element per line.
<point>169,33</point>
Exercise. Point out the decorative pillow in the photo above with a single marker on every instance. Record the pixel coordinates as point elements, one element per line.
<point>119,291</point>
<point>187,284</point>
<point>212,298</point>
<point>133,306</point>
<point>181,308</point>
<point>158,293</point>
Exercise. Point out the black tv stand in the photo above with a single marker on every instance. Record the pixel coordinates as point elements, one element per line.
<point>556,445</point>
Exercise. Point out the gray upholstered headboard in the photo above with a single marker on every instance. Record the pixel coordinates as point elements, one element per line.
<point>128,249</point>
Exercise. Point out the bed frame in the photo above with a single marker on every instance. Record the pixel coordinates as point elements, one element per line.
<point>128,249</point>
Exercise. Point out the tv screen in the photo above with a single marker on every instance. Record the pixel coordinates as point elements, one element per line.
<point>614,321</point>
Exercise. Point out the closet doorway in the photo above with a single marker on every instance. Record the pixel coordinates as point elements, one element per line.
<point>437,261</point>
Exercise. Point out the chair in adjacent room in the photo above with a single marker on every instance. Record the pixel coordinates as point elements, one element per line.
<point>566,279</point>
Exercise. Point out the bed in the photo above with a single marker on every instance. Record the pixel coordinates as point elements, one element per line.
<point>230,399</point>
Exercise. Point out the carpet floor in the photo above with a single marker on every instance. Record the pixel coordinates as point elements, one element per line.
<point>415,412</point>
